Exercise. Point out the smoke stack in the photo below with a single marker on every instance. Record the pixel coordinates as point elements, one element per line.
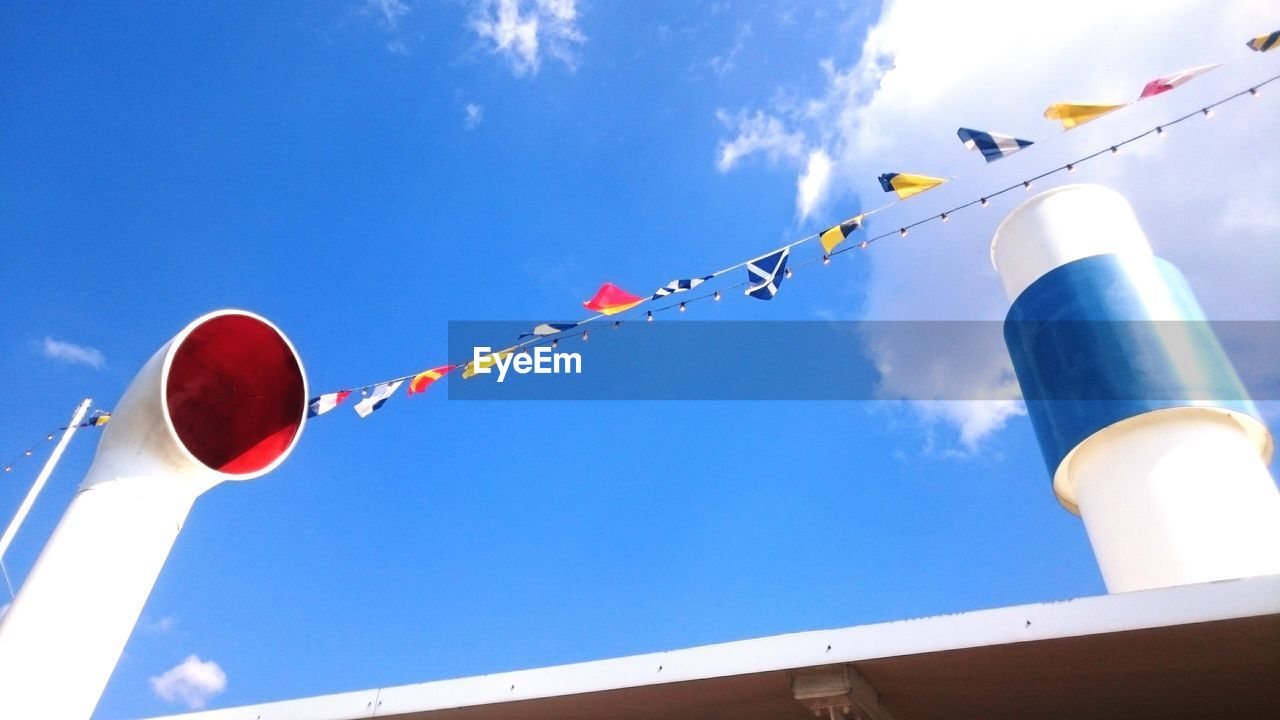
<point>1147,431</point>
<point>223,400</point>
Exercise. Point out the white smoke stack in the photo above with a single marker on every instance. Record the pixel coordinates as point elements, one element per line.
<point>1170,474</point>
<point>223,400</point>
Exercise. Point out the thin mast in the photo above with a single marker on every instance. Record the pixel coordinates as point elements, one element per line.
<point>42,478</point>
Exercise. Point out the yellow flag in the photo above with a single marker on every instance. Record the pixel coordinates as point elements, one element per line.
<point>486,362</point>
<point>1076,115</point>
<point>834,236</point>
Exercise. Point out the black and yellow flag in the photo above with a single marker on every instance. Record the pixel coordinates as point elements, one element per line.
<point>1263,43</point>
<point>834,236</point>
<point>906,185</point>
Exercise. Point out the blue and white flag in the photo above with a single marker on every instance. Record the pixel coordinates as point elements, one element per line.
<point>380,393</point>
<point>323,404</point>
<point>993,146</point>
<point>764,274</point>
<point>548,329</point>
<point>679,286</point>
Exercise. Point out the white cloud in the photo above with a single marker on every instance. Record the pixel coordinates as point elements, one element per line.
<point>474,114</point>
<point>1203,196</point>
<point>192,682</point>
<point>724,64</point>
<point>522,31</point>
<point>388,15</point>
<point>163,625</point>
<point>812,184</point>
<point>72,353</point>
<point>388,12</point>
<point>757,133</point>
<point>957,372</point>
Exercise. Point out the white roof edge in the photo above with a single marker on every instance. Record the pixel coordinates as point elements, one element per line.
<point>1224,600</point>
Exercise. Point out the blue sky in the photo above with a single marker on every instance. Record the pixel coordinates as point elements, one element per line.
<point>362,174</point>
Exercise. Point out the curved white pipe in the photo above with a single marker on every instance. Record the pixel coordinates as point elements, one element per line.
<point>224,400</point>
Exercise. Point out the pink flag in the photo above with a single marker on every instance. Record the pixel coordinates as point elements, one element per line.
<point>1169,82</point>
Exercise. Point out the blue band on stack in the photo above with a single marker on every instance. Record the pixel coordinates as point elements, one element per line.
<point>1088,352</point>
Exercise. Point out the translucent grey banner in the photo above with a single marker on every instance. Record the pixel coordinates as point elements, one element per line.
<point>861,360</point>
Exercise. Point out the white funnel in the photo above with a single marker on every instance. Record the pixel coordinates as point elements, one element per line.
<point>1171,492</point>
<point>224,400</point>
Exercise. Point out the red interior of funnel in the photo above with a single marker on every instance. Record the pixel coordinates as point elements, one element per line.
<point>235,394</point>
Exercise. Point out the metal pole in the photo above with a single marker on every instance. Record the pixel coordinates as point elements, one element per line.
<point>18,517</point>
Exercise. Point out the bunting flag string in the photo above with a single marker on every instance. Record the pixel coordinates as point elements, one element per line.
<point>97,418</point>
<point>1073,115</point>
<point>982,201</point>
<point>766,272</point>
<point>1159,131</point>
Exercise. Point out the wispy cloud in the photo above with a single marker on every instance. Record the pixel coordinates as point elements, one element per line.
<point>523,31</point>
<point>389,15</point>
<point>757,133</point>
<point>929,363</point>
<point>191,682</point>
<point>73,354</point>
<point>163,625</point>
<point>388,12</point>
<point>724,64</point>
<point>474,114</point>
<point>812,184</point>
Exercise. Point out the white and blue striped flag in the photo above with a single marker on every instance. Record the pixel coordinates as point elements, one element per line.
<point>992,145</point>
<point>546,329</point>
<point>380,393</point>
<point>679,286</point>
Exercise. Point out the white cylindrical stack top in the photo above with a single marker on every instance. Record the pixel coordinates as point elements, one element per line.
<point>1060,226</point>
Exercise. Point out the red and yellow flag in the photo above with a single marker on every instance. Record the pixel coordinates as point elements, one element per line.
<point>611,299</point>
<point>423,380</point>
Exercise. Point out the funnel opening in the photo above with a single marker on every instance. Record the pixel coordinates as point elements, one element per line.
<point>235,394</point>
